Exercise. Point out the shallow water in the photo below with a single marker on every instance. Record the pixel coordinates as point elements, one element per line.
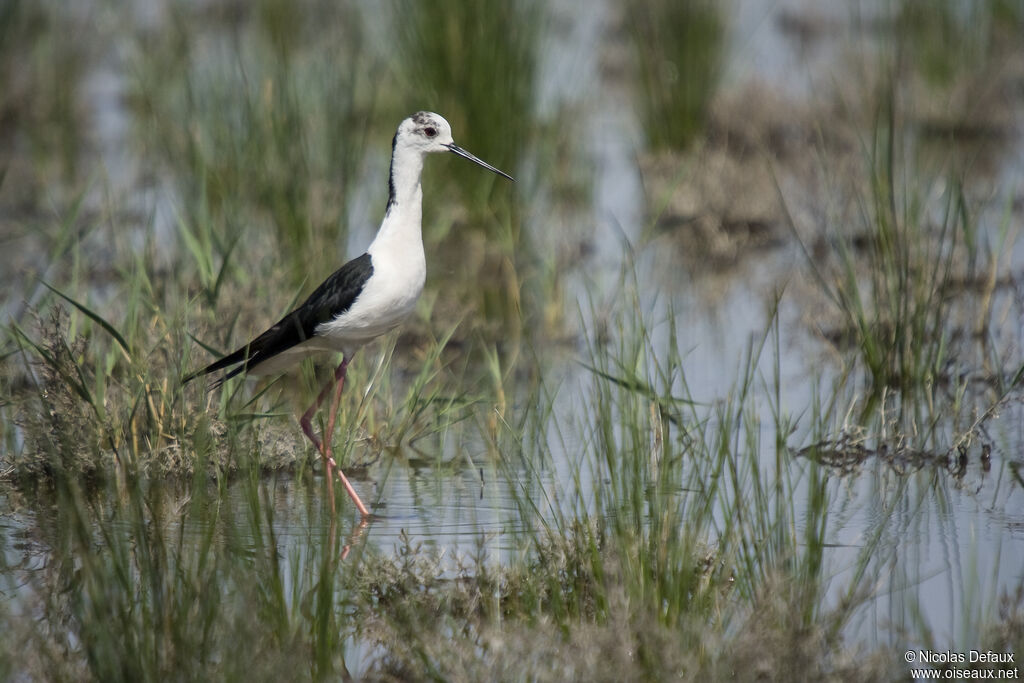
<point>950,541</point>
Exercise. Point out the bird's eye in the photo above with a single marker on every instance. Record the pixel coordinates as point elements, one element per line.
<point>430,131</point>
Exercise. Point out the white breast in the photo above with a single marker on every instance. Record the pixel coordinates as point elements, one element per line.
<point>387,299</point>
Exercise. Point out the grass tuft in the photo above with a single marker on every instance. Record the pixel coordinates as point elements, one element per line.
<point>679,50</point>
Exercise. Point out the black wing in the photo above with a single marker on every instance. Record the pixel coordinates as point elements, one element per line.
<point>334,296</point>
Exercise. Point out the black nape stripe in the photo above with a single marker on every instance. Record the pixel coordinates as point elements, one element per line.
<point>392,201</point>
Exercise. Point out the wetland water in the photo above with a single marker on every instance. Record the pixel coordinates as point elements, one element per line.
<point>708,271</point>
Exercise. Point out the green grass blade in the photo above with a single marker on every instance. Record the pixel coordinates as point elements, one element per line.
<point>95,317</point>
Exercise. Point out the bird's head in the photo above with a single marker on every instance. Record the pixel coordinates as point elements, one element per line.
<point>428,132</point>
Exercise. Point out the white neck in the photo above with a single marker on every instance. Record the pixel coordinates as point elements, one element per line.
<point>405,203</point>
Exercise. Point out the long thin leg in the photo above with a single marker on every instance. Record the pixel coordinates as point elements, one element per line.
<point>307,428</point>
<point>325,446</point>
<point>339,376</point>
<point>339,384</point>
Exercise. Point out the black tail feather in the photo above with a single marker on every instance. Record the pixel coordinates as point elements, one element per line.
<point>241,355</point>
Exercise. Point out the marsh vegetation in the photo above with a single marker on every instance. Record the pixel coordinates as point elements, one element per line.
<point>727,385</point>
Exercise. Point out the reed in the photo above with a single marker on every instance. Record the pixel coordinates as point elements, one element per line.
<point>679,51</point>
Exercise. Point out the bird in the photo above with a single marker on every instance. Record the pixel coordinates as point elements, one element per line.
<point>367,297</point>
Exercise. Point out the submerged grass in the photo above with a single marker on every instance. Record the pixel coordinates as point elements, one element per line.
<point>911,280</point>
<point>147,582</point>
<point>690,543</point>
<point>673,550</point>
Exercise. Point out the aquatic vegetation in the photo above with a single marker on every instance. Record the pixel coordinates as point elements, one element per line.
<point>600,498</point>
<point>679,49</point>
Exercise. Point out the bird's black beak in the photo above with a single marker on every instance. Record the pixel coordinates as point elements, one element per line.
<point>476,160</point>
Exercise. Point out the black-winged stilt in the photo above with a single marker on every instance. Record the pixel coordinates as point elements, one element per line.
<point>365,298</point>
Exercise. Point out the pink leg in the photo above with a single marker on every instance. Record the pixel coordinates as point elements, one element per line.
<point>307,428</point>
<point>325,446</point>
<point>357,533</point>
